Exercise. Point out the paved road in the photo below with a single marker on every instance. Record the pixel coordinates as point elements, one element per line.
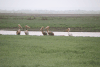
<point>39,33</point>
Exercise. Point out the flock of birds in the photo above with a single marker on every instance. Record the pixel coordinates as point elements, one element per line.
<point>43,32</point>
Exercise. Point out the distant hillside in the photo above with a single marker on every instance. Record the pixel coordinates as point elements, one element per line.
<point>51,11</point>
<point>49,15</point>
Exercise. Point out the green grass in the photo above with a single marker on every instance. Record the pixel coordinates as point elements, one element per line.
<point>90,23</point>
<point>49,51</point>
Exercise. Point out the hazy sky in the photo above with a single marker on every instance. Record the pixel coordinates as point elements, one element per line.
<point>50,4</point>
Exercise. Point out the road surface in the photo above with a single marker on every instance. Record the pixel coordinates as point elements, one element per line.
<point>39,33</point>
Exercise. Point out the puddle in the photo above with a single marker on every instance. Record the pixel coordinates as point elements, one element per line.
<point>39,33</point>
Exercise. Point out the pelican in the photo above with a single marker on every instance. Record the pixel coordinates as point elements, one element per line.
<point>26,32</point>
<point>18,31</point>
<point>43,32</point>
<point>49,32</point>
<point>69,34</point>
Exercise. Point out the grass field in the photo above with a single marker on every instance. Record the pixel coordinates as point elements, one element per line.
<point>49,51</point>
<point>56,23</point>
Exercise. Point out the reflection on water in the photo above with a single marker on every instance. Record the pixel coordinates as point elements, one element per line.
<point>39,33</point>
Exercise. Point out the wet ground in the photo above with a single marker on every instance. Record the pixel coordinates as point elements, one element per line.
<point>39,33</point>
